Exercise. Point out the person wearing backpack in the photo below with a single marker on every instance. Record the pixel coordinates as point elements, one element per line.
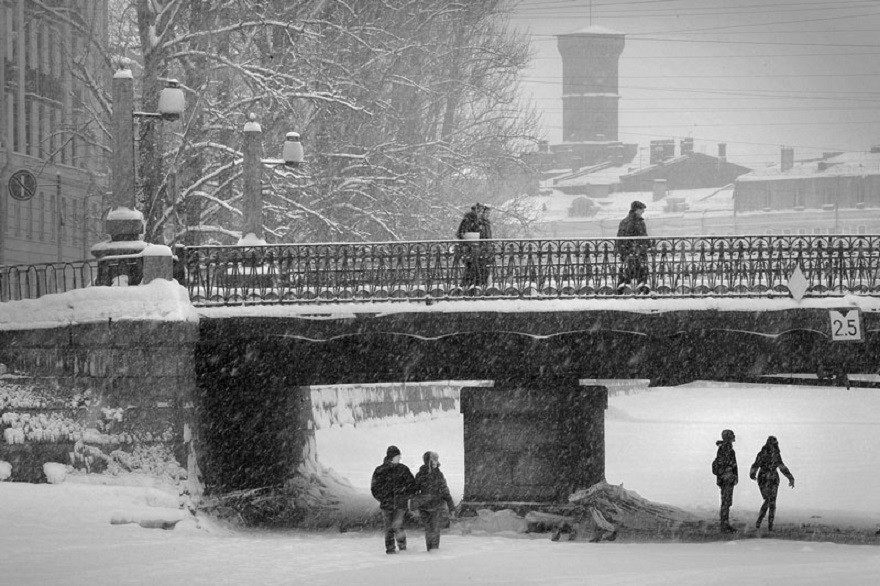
<point>764,471</point>
<point>726,476</point>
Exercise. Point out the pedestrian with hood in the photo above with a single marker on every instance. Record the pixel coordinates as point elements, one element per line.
<point>632,246</point>
<point>393,485</point>
<point>764,470</point>
<point>476,255</point>
<point>432,493</point>
<point>726,476</point>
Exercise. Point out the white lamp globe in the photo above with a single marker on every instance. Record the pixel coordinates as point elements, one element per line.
<point>171,100</point>
<point>292,153</point>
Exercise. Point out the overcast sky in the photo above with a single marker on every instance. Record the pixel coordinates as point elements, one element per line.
<point>756,75</point>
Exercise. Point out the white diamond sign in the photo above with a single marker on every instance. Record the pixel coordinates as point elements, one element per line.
<point>797,284</point>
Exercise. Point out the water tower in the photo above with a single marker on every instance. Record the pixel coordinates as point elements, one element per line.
<point>589,84</point>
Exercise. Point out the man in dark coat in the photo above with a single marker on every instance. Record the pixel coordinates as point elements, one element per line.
<point>726,475</point>
<point>431,493</point>
<point>476,256</point>
<point>633,250</point>
<point>393,485</point>
<point>764,470</point>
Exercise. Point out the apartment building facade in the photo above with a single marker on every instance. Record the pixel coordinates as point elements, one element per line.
<point>52,167</point>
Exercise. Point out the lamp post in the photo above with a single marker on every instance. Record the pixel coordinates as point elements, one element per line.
<point>124,222</point>
<point>252,205</point>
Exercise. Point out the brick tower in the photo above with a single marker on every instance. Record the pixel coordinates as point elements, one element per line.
<point>589,84</point>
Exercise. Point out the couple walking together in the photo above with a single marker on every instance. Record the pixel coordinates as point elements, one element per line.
<point>764,471</point>
<point>394,486</point>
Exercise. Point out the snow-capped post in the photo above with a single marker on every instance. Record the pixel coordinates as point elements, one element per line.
<point>252,206</point>
<point>124,222</point>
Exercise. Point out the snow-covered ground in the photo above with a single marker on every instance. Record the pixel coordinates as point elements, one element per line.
<point>659,443</point>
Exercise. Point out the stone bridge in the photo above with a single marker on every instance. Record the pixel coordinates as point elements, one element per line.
<point>224,387</point>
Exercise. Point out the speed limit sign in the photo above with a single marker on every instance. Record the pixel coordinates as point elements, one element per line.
<point>846,325</point>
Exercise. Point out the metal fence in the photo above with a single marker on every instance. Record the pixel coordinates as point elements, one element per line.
<point>516,269</point>
<point>32,281</point>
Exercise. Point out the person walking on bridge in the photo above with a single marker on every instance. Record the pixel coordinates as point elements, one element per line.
<point>632,246</point>
<point>764,470</point>
<point>726,476</point>
<point>476,255</point>
<point>431,494</point>
<point>393,485</point>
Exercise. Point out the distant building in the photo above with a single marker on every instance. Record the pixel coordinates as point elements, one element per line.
<point>838,194</point>
<point>589,103</point>
<point>43,131</point>
<point>689,171</point>
<point>836,181</point>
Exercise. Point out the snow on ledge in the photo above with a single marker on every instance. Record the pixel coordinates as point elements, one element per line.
<point>634,305</point>
<point>160,300</point>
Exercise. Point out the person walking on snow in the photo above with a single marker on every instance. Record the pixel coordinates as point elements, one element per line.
<point>764,470</point>
<point>431,493</point>
<point>726,476</point>
<point>393,485</point>
<point>633,250</point>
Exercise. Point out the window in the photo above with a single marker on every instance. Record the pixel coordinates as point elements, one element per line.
<point>29,219</point>
<point>798,196</point>
<point>63,220</point>
<point>53,217</point>
<point>42,225</point>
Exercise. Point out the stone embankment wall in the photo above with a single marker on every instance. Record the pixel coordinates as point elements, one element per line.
<point>104,396</point>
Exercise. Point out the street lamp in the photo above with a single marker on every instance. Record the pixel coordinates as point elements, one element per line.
<point>252,206</point>
<point>124,222</point>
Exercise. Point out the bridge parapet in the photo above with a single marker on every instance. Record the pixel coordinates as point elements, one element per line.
<point>519,269</point>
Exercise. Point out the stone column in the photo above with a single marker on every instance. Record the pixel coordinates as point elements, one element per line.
<point>532,442</point>
<point>124,222</point>
<point>252,206</point>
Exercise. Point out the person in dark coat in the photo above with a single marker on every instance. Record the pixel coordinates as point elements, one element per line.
<point>633,250</point>
<point>432,493</point>
<point>764,470</point>
<point>726,475</point>
<point>393,485</point>
<point>476,256</point>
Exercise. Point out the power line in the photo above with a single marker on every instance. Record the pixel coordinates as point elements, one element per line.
<point>728,56</point>
<point>753,9</point>
<point>577,78</point>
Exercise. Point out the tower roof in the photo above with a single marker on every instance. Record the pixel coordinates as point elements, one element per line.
<point>593,30</point>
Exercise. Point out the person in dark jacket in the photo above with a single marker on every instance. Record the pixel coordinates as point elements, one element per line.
<point>633,250</point>
<point>764,470</point>
<point>432,493</point>
<point>726,475</point>
<point>476,256</point>
<point>393,485</point>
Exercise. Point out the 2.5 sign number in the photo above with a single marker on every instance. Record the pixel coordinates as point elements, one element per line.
<point>846,326</point>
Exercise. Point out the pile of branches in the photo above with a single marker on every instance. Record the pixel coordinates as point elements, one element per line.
<point>603,510</point>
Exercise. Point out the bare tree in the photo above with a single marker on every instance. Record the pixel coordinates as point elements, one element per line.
<point>408,110</point>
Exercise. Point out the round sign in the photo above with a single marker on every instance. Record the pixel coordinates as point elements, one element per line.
<point>22,185</point>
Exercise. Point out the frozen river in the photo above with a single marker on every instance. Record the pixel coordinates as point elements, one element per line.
<point>659,443</point>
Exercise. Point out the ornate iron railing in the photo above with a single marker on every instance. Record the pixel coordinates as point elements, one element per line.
<point>32,281</point>
<point>514,269</point>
